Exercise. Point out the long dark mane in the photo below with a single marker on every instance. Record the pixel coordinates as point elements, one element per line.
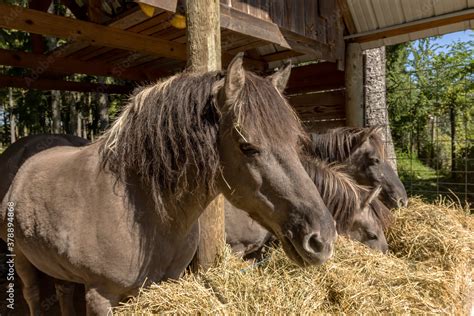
<point>336,145</point>
<point>341,194</point>
<point>167,134</point>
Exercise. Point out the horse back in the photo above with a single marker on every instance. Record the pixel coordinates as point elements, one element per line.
<point>16,154</point>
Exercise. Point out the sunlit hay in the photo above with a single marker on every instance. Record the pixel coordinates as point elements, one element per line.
<point>439,234</point>
<point>356,280</point>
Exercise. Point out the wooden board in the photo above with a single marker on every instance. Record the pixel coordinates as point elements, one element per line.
<point>48,24</point>
<point>41,63</point>
<point>315,77</point>
<point>49,84</point>
<point>320,105</point>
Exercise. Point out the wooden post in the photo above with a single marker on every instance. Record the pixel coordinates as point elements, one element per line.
<point>204,54</point>
<point>204,35</point>
<point>376,111</point>
<point>354,77</point>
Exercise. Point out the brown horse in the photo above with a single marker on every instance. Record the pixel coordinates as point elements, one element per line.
<point>10,162</point>
<point>363,151</point>
<point>15,155</point>
<point>124,210</point>
<point>357,212</point>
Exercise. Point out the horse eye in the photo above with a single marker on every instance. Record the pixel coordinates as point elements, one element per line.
<point>374,160</point>
<point>371,236</point>
<point>249,150</point>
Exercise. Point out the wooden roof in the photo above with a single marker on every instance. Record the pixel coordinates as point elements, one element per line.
<point>375,23</point>
<point>134,46</point>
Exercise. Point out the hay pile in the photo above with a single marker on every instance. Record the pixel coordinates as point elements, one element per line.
<point>429,271</point>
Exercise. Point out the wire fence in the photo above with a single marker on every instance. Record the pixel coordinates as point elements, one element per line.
<point>432,126</point>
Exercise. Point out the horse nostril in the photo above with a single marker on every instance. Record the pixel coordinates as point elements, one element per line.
<point>312,244</point>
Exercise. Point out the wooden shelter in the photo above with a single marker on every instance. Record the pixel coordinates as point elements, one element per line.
<point>141,41</point>
<point>134,44</point>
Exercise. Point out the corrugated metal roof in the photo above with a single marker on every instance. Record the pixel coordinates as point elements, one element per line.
<point>371,15</point>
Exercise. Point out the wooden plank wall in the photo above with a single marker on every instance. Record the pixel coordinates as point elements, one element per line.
<point>317,94</point>
<point>316,19</point>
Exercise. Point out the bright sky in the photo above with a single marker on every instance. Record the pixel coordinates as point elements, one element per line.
<point>454,37</point>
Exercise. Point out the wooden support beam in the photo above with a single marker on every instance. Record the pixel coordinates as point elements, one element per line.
<point>38,44</point>
<point>33,21</point>
<point>168,5</point>
<point>41,64</point>
<point>127,21</point>
<point>354,78</point>
<point>270,32</point>
<point>347,16</point>
<point>266,31</point>
<point>50,84</point>
<point>204,54</point>
<point>415,26</point>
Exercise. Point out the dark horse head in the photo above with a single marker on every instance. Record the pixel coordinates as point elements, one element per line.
<point>356,209</point>
<point>363,151</point>
<point>260,138</point>
<point>232,132</point>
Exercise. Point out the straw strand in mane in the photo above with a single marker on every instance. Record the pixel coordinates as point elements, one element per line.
<point>167,134</point>
<point>337,144</point>
<point>338,190</point>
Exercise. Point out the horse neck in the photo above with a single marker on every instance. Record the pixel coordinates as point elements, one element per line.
<point>175,213</point>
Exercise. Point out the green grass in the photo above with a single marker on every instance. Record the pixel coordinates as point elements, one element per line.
<point>421,180</point>
<point>411,168</point>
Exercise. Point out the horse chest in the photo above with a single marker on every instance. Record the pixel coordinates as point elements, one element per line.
<point>165,260</point>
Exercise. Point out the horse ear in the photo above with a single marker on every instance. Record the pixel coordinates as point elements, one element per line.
<point>371,197</point>
<point>235,78</point>
<point>280,78</point>
<point>366,133</point>
<point>372,131</point>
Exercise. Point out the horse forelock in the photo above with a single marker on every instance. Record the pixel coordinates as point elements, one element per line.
<point>265,114</point>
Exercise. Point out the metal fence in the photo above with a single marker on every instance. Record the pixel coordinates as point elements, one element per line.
<point>432,126</point>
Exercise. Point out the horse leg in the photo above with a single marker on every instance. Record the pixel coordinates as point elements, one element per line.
<point>99,302</point>
<point>29,277</point>
<point>65,295</point>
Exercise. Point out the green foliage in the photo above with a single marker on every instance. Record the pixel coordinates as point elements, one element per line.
<point>32,108</point>
<point>430,100</point>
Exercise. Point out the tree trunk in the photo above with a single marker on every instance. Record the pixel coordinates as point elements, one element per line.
<point>76,117</point>
<point>204,54</point>
<point>90,117</point>
<point>452,119</point>
<point>5,127</point>
<point>103,102</point>
<point>376,112</point>
<point>56,111</point>
<point>354,79</point>
<point>12,116</point>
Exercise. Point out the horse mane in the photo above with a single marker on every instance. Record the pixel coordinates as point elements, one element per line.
<point>383,214</point>
<point>167,133</point>
<point>340,193</point>
<point>337,144</point>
